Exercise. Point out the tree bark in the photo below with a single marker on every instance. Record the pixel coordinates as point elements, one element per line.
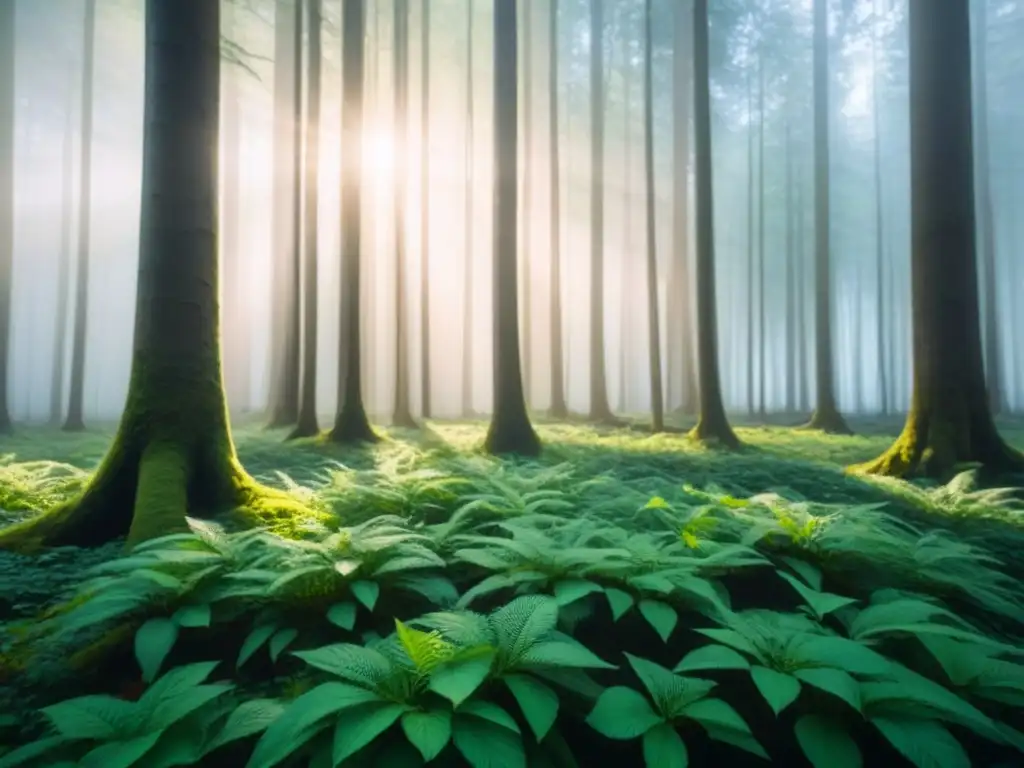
<point>712,424</point>
<point>60,337</point>
<point>559,407</point>
<point>75,421</point>
<point>425,376</point>
<point>792,294</point>
<point>760,235</point>
<point>826,416</point>
<point>7,111</point>
<point>467,274</point>
<point>173,454</point>
<point>526,217</point>
<point>653,316</point>
<point>510,430</point>
<point>350,422</point>
<point>880,282</point>
<point>950,421</point>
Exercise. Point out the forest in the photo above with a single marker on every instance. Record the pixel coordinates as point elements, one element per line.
<point>511,384</point>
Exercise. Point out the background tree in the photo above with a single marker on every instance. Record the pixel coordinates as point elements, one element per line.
<point>653,315</point>
<point>7,107</point>
<point>559,407</point>
<point>425,375</point>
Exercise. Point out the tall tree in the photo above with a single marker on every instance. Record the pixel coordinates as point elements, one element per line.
<point>600,410</point>
<point>826,416</point>
<point>527,208</point>
<point>761,335</point>
<point>60,336</point>
<point>950,421</point>
<point>425,375</point>
<point>880,282</point>
<point>559,407</point>
<point>712,424</point>
<point>792,295</point>
<point>7,109</point>
<point>510,430</point>
<point>751,339</point>
<point>467,266</point>
<point>174,455</point>
<point>306,424</point>
<point>653,314</point>
<point>75,421</point>
<point>350,422</point>
<point>401,415</point>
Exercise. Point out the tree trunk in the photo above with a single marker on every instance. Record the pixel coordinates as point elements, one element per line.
<point>626,281</point>
<point>7,111</point>
<point>350,422</point>
<point>750,245</point>
<point>402,413</point>
<point>559,408</point>
<point>425,377</point>
<point>510,430</point>
<point>712,424</point>
<point>880,282</point>
<point>801,296</point>
<point>285,61</point>
<point>992,335</point>
<point>526,218</point>
<point>75,421</point>
<point>950,421</point>
<point>792,292</point>
<point>653,331</point>
<point>826,416</point>
<point>173,454</point>
<point>467,286</point>
<point>307,425</point>
<point>60,336</point>
<point>600,410</point>
<point>760,237</point>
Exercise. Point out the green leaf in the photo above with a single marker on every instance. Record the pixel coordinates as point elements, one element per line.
<point>821,603</point>
<point>171,709</point>
<point>712,657</point>
<point>355,663</point>
<point>342,615</point>
<point>833,681</point>
<point>661,616</point>
<point>716,715</point>
<point>153,641</point>
<point>619,601</point>
<point>537,701</point>
<point>521,623</point>
<point>732,638</point>
<point>428,731</point>
<point>671,693</point>
<point>355,728</point>
<point>281,640</point>
<point>622,713</point>
<point>366,592</point>
<point>925,743</point>
<point>486,710</point>
<point>459,679</point>
<point>29,752</point>
<point>570,590</point>
<point>841,653</point>
<point>248,718</point>
<point>664,748</point>
<point>254,642</point>
<point>192,616</point>
<point>811,574</point>
<point>563,653</point>
<point>486,745</point>
<point>119,754</point>
<point>101,718</point>
<point>779,689</point>
<point>175,683</point>
<point>826,744</point>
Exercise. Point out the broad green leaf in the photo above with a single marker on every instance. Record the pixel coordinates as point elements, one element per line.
<point>821,603</point>
<point>101,718</point>
<point>833,681</point>
<point>563,653</point>
<point>342,615</point>
<point>537,701</point>
<point>192,616</point>
<point>255,641</point>
<point>487,710</point>
<point>486,745</point>
<point>841,653</point>
<point>176,682</point>
<point>356,727</point>
<point>925,743</point>
<point>171,709</point>
<point>570,590</point>
<point>153,641</point>
<point>619,601</point>
<point>671,693</point>
<point>349,661</point>
<point>779,689</point>
<point>366,592</point>
<point>661,616</point>
<point>732,638</point>
<point>811,574</point>
<point>716,714</point>
<point>712,657</point>
<point>428,731</point>
<point>664,748</point>
<point>28,753</point>
<point>119,754</point>
<point>622,713</point>
<point>826,744</point>
<point>459,679</point>
<point>248,718</point>
<point>524,621</point>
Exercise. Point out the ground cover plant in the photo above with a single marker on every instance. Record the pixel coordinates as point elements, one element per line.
<point>627,599</point>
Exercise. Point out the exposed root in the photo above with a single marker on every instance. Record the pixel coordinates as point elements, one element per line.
<point>829,421</point>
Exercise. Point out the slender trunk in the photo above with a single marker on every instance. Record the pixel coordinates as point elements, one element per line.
<point>467,288</point>
<point>526,218</point>
<point>626,282</point>
<point>7,112</point>
<point>712,424</point>
<point>760,238</point>
<point>880,282</point>
<point>402,412</point>
<point>801,296</point>
<point>600,410</point>
<point>425,378</point>
<point>559,408</point>
<point>792,292</point>
<point>306,425</point>
<point>654,337</point>
<point>510,430</point>
<point>75,418</point>
<point>750,244</point>
<point>60,340</point>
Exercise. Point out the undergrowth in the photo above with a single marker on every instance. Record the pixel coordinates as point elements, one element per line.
<point>627,601</point>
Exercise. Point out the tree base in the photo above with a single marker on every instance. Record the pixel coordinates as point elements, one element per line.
<point>714,434</point>
<point>829,421</point>
<point>73,425</point>
<point>512,437</point>
<point>404,420</point>
<point>306,427</point>
<point>352,426</point>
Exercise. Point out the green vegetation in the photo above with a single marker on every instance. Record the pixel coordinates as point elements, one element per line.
<point>624,600</point>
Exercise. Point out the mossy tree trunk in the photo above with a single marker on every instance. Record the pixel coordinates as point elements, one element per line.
<point>559,407</point>
<point>950,421</point>
<point>75,421</point>
<point>7,108</point>
<point>306,425</point>
<point>510,430</point>
<point>826,416</point>
<point>173,454</point>
<point>350,422</point>
<point>712,424</point>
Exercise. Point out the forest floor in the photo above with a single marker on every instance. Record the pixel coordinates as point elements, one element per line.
<point>787,483</point>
